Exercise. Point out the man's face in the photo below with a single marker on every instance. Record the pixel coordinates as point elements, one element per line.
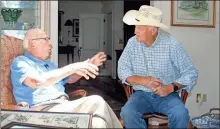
<point>142,33</point>
<point>41,45</point>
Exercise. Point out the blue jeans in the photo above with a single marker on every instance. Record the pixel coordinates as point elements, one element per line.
<point>147,102</point>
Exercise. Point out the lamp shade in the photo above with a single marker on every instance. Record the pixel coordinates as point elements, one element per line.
<point>68,23</point>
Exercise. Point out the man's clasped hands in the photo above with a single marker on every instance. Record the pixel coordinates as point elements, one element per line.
<point>157,86</point>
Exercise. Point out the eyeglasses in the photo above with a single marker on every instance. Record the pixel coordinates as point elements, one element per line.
<point>46,39</point>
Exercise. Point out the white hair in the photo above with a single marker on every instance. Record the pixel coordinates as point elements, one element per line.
<point>25,43</point>
<point>153,27</point>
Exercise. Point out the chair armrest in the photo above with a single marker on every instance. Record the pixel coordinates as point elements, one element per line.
<point>184,95</point>
<point>13,107</point>
<point>128,89</point>
<point>77,94</point>
<point>23,104</point>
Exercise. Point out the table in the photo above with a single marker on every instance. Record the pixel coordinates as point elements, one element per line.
<point>15,116</point>
<point>68,49</point>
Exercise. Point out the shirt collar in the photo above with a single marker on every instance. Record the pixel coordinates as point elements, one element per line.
<point>36,60</point>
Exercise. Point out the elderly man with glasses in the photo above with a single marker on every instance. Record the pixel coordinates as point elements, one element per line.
<point>38,82</point>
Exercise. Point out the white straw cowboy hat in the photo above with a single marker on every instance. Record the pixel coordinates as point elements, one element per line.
<point>147,15</point>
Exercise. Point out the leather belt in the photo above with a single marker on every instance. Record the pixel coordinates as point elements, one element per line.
<point>63,97</point>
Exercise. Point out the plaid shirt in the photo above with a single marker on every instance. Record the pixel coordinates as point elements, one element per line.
<point>166,59</point>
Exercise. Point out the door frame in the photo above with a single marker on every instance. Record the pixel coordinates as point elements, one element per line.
<point>112,39</point>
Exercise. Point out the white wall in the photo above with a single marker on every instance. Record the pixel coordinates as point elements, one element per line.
<point>202,45</point>
<point>71,11</point>
<point>54,30</point>
<point>117,9</point>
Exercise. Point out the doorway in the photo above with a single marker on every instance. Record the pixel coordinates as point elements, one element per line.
<point>108,47</point>
<point>129,30</point>
<point>92,34</point>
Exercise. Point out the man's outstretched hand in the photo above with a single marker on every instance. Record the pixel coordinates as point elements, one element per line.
<point>98,59</point>
<point>88,68</point>
<point>84,69</point>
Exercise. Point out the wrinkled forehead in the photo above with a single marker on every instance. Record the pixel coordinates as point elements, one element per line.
<point>35,33</point>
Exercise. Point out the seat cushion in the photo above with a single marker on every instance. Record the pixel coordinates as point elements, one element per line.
<point>11,47</point>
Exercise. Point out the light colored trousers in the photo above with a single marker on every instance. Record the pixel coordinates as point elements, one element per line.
<point>103,115</point>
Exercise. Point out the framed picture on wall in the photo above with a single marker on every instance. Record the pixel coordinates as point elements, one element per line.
<point>75,27</point>
<point>193,13</point>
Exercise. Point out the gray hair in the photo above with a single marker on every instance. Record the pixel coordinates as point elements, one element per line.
<point>25,43</point>
<point>153,27</point>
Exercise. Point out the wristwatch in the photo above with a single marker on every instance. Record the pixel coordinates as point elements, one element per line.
<point>175,87</point>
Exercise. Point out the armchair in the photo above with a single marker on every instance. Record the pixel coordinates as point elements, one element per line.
<point>12,47</point>
<point>129,91</point>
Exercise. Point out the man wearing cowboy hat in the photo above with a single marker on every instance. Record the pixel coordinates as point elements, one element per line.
<point>157,67</point>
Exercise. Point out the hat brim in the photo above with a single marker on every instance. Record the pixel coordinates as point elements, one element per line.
<point>129,19</point>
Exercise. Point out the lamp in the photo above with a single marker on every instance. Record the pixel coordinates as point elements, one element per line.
<point>68,23</point>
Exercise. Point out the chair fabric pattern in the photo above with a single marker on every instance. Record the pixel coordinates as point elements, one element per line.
<point>11,47</point>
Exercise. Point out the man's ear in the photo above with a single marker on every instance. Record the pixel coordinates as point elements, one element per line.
<point>154,30</point>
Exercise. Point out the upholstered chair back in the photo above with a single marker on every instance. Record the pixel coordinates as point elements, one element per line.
<point>11,47</point>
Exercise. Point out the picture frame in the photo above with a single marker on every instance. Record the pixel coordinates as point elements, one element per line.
<point>26,125</point>
<point>75,27</point>
<point>193,13</point>
<point>43,119</point>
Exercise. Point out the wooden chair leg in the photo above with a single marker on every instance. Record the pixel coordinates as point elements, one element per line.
<point>190,125</point>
